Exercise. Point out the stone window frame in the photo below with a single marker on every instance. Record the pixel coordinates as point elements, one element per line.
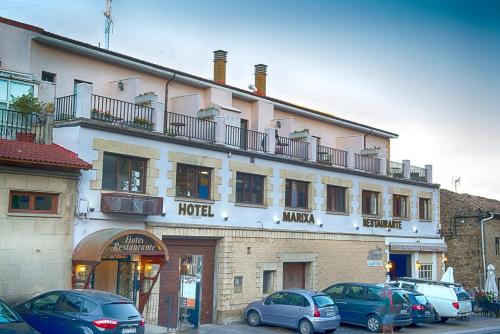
<point>339,182</point>
<point>409,203</point>
<point>152,156</point>
<point>426,195</point>
<point>267,172</point>
<point>175,157</point>
<point>381,202</point>
<point>299,176</point>
<point>268,266</point>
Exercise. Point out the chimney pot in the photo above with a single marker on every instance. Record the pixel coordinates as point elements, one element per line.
<point>260,79</point>
<point>220,60</point>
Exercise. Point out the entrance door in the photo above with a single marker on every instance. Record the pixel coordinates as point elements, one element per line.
<point>401,265</point>
<point>126,282</point>
<point>294,274</point>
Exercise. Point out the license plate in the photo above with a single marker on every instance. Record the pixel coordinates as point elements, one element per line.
<point>129,330</point>
<point>330,314</point>
<point>404,311</point>
<point>427,312</point>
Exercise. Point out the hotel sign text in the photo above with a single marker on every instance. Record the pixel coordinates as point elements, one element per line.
<point>190,209</point>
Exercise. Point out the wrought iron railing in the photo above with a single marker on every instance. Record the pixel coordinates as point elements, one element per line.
<point>65,107</point>
<point>121,113</point>
<point>418,174</point>
<point>331,156</point>
<point>245,139</point>
<point>292,148</point>
<point>396,169</point>
<point>188,127</point>
<point>368,164</point>
<point>16,125</point>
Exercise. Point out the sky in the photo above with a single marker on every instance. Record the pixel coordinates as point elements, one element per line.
<point>427,70</point>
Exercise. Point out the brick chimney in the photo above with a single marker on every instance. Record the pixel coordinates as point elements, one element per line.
<point>220,60</point>
<point>260,79</point>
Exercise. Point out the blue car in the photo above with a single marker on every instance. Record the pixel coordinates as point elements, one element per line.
<point>82,312</point>
<point>421,309</point>
<point>372,306</point>
<point>12,323</point>
<point>305,310</point>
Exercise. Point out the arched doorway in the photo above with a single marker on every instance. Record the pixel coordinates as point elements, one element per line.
<point>126,262</point>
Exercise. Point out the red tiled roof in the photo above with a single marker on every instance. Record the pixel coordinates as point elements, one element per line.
<point>20,152</point>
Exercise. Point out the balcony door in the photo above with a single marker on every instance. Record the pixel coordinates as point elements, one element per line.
<point>243,134</point>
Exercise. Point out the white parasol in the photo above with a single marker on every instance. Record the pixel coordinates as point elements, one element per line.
<point>491,284</point>
<point>448,276</point>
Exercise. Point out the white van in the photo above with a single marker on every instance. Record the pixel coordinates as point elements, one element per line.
<point>448,299</point>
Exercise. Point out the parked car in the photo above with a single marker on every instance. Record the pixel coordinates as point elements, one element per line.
<point>12,323</point>
<point>305,310</point>
<point>371,305</point>
<point>421,309</point>
<point>82,311</point>
<point>448,299</point>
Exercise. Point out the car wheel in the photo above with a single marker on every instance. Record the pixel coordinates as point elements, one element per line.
<point>331,330</point>
<point>253,319</point>
<point>373,324</point>
<point>305,327</point>
<point>443,319</point>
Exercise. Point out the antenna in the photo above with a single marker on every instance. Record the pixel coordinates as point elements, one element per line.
<point>108,22</point>
<point>456,182</point>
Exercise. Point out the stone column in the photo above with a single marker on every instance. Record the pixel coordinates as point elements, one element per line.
<point>383,162</point>
<point>48,128</point>
<point>83,100</point>
<point>312,148</point>
<point>158,116</point>
<point>220,130</point>
<point>270,140</point>
<point>406,169</point>
<point>428,173</point>
<point>350,157</point>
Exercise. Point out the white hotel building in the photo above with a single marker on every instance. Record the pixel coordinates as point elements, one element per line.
<point>272,194</point>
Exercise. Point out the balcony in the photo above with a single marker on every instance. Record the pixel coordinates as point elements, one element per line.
<point>366,163</point>
<point>291,148</point>
<point>187,127</point>
<point>331,156</point>
<point>131,204</point>
<point>15,125</point>
<point>245,139</point>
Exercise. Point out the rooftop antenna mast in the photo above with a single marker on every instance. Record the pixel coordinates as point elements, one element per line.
<point>456,182</point>
<point>108,23</point>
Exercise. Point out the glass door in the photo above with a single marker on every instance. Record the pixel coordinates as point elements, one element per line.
<point>127,279</point>
<point>243,134</point>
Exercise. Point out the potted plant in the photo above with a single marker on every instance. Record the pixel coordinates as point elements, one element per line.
<point>142,123</point>
<point>299,134</point>
<point>101,115</point>
<point>27,105</point>
<point>49,107</point>
<point>146,98</point>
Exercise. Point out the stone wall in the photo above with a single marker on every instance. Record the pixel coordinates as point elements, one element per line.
<point>35,249</point>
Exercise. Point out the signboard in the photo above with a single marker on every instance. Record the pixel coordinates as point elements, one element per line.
<point>375,257</point>
<point>190,209</point>
<point>188,289</point>
<point>298,217</point>
<point>132,244</point>
<point>381,223</point>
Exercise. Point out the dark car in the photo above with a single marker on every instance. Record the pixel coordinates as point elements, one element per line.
<point>12,323</point>
<point>82,311</point>
<point>370,305</point>
<point>421,309</point>
<point>305,310</point>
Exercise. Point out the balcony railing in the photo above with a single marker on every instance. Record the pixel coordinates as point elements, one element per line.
<point>131,204</point>
<point>65,107</point>
<point>292,148</point>
<point>121,113</point>
<point>331,156</point>
<point>183,126</point>
<point>245,139</point>
<point>418,174</point>
<point>16,125</point>
<point>396,170</point>
<point>368,164</point>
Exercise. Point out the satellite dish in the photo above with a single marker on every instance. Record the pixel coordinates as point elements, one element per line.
<point>252,87</point>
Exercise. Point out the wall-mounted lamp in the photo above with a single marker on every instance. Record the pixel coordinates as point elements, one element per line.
<point>388,266</point>
<point>355,226</point>
<point>417,265</point>
<point>278,124</point>
<point>444,259</point>
<point>139,267</point>
<point>226,218</point>
<point>277,222</point>
<point>81,268</point>
<point>121,86</point>
<point>389,230</point>
<point>320,224</point>
<point>415,229</point>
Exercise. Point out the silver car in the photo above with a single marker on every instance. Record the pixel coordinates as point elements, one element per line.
<point>305,310</point>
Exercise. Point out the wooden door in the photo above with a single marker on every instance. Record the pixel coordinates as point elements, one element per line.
<point>294,275</point>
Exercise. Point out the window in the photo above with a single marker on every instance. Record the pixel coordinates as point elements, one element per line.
<point>88,306</point>
<point>355,292</point>
<point>497,246</point>
<point>122,173</point>
<point>238,284</point>
<point>336,198</point>
<point>335,291</point>
<point>296,193</point>
<point>277,298</point>
<point>295,299</point>
<point>11,89</point>
<point>370,202</point>
<point>400,206</point>
<point>425,271</point>
<point>49,77</point>
<point>30,202</point>
<point>249,188</point>
<point>322,301</point>
<point>193,181</point>
<point>120,311</point>
<point>45,303</point>
<point>375,294</point>
<point>70,303</point>
<point>268,281</point>
<point>424,208</point>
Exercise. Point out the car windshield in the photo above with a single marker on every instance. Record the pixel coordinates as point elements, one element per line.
<point>399,297</point>
<point>7,315</point>
<point>322,301</point>
<point>421,299</point>
<point>120,311</point>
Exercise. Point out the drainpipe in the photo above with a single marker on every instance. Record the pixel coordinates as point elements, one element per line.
<point>165,119</point>
<point>482,244</point>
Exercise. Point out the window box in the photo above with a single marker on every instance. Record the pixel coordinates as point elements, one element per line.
<point>131,204</point>
<point>146,99</point>
<point>297,135</point>
<point>33,202</point>
<point>208,113</point>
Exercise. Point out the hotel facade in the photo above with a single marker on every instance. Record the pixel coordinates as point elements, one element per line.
<point>271,194</point>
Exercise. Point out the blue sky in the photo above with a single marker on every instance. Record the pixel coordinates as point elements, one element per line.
<point>427,70</point>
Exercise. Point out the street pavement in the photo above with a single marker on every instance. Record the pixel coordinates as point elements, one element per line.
<point>476,325</point>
